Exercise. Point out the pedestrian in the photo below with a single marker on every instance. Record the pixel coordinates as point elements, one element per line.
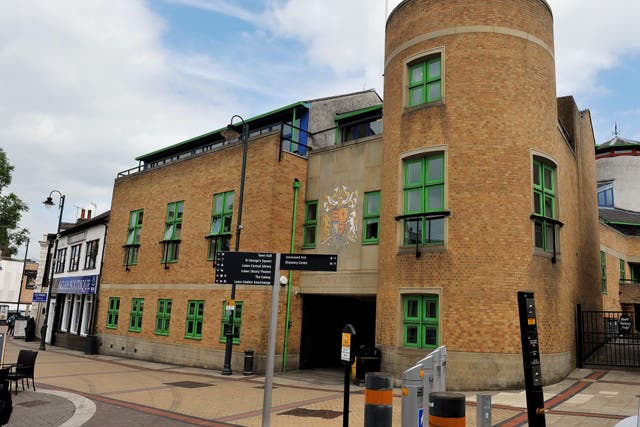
<point>11,323</point>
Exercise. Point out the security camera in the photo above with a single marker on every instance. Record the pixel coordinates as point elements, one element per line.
<point>296,293</point>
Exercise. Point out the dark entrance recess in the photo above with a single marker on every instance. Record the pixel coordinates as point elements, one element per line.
<point>323,317</point>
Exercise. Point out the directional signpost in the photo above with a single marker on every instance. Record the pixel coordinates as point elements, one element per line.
<point>259,268</point>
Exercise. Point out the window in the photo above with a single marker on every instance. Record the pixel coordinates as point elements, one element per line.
<point>310,222</point>
<point>605,195</point>
<point>237,322</point>
<point>623,275</point>
<point>603,271</point>
<point>135,319</point>
<point>86,315</point>
<point>425,81</point>
<point>75,315</point>
<point>91,255</point>
<point>132,245</point>
<point>172,231</point>
<point>424,193</point>
<point>635,272</point>
<point>195,316</point>
<point>421,321</point>
<point>359,124</point>
<point>163,317</point>
<point>60,260</point>
<point>371,218</point>
<point>112,312</point>
<point>74,261</point>
<point>544,201</point>
<point>221,217</point>
<point>66,312</point>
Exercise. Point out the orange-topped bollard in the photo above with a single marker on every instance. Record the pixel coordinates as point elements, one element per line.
<point>378,399</point>
<point>446,409</point>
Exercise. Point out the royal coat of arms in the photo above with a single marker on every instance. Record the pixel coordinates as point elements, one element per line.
<point>339,225</point>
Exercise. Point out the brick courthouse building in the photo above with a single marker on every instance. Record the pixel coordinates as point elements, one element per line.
<point>481,184</point>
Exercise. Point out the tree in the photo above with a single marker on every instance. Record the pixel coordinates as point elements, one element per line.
<point>11,209</point>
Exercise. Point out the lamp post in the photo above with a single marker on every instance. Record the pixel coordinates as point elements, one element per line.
<point>24,268</point>
<point>49,203</point>
<point>232,131</point>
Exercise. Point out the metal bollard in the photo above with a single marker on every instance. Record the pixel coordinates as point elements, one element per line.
<point>378,399</point>
<point>412,411</point>
<point>483,410</point>
<point>446,409</point>
<point>248,362</point>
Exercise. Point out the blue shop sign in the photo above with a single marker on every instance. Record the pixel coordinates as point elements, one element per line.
<point>39,297</point>
<point>78,285</point>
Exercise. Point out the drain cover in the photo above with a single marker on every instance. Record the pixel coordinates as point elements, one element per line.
<point>317,413</point>
<point>33,403</point>
<point>189,384</point>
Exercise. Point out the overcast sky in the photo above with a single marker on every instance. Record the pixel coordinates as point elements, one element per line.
<point>88,85</point>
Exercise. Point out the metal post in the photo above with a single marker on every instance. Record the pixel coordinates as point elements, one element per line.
<point>24,267</point>
<point>226,369</point>
<point>296,188</point>
<point>271,352</point>
<point>483,410</point>
<point>43,332</point>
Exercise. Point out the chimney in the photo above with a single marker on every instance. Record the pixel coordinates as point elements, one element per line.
<point>89,214</point>
<point>82,214</point>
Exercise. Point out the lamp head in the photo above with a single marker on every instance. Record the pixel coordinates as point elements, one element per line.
<point>49,202</point>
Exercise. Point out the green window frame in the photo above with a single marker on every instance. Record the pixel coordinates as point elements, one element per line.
<point>237,322</point>
<point>221,218</point>
<point>135,319</point>
<point>544,204</point>
<point>425,80</point>
<point>172,232</point>
<point>623,275</point>
<point>371,218</point>
<point>421,321</point>
<point>195,318</point>
<point>424,192</point>
<point>112,312</point>
<point>163,316</point>
<point>134,231</point>
<point>603,271</point>
<point>634,269</point>
<point>310,224</point>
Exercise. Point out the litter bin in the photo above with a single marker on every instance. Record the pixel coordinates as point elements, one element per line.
<point>367,360</point>
<point>248,362</point>
<point>91,344</point>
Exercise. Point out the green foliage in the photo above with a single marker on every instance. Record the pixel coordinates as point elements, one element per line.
<point>11,209</point>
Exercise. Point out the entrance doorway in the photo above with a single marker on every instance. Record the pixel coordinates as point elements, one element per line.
<point>323,317</point>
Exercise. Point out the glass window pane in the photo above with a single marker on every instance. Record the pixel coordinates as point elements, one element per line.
<point>168,232</point>
<point>216,225</point>
<point>217,203</point>
<point>310,235</point>
<point>414,172</point>
<point>226,224</point>
<point>167,324</point>
<point>373,203</point>
<point>413,306</point>
<point>177,231</point>
<point>412,232</point>
<point>433,91</point>
<point>312,211</point>
<point>536,173</point>
<point>537,203</point>
<point>549,237</point>
<point>417,74</point>
<point>431,335</point>
<point>436,230</point>
<point>170,211</point>
<point>548,207</point>
<point>168,307</point>
<point>548,179</point>
<point>414,200</point>
<point>435,169</point>
<point>159,324</point>
<point>538,234</point>
<point>229,202</point>
<point>140,214</point>
<point>200,309</point>
<point>435,201</point>
<point>371,231</point>
<point>199,328</point>
<point>411,334</point>
<point>432,309</point>
<point>433,69</point>
<point>415,95</point>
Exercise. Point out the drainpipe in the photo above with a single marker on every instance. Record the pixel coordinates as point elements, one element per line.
<point>296,188</point>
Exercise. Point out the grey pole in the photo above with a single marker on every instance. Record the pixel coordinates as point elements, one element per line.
<point>24,268</point>
<point>271,352</point>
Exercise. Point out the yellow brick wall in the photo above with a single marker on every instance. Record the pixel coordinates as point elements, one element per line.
<point>267,213</point>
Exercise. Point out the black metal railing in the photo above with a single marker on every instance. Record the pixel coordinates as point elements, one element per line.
<point>608,338</point>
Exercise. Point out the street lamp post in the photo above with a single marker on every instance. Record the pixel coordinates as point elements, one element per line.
<point>49,203</point>
<point>24,268</point>
<point>233,129</point>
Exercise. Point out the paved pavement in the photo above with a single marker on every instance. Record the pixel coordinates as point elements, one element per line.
<point>74,389</point>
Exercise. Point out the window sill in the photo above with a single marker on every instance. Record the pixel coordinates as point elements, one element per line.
<point>111,327</point>
<point>164,334</point>
<point>364,243</point>
<point>193,338</point>
<point>309,247</point>
<point>411,250</point>
<point>544,254</point>
<point>168,262</point>
<point>411,109</point>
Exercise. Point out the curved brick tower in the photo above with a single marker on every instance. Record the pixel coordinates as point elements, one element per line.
<point>473,148</point>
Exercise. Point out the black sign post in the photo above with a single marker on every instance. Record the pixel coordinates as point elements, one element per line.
<point>347,356</point>
<point>245,268</point>
<point>309,262</point>
<point>531,359</point>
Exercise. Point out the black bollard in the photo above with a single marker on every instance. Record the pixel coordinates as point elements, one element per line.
<point>446,409</point>
<point>248,362</point>
<point>378,399</point>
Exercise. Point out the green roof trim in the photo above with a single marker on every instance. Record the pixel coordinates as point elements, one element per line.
<point>340,117</point>
<point>293,106</point>
<point>633,224</point>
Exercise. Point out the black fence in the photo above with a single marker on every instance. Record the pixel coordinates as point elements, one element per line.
<point>608,338</point>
